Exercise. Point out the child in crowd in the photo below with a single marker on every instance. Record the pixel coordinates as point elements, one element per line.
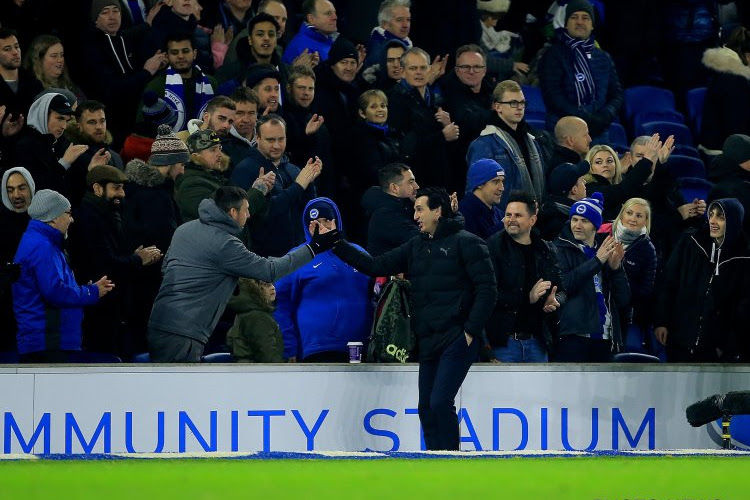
<point>255,336</point>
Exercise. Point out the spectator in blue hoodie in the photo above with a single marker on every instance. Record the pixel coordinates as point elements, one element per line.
<point>325,304</point>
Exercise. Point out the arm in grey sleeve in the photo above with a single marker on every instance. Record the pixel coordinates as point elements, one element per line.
<point>236,260</point>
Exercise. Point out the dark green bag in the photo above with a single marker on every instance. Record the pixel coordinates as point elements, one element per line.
<point>391,337</point>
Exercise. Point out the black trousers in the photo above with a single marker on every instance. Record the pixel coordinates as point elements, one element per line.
<point>439,382</point>
<point>577,349</point>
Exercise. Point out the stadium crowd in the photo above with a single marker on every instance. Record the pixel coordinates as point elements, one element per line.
<point>175,176</point>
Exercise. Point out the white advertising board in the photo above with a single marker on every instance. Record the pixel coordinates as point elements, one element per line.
<point>349,408</point>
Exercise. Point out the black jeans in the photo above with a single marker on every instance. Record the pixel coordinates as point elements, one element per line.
<point>439,382</point>
<point>577,349</point>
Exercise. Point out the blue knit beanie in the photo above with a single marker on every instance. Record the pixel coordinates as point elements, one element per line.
<point>590,208</point>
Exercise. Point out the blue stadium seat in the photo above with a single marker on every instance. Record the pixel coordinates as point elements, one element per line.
<point>536,123</point>
<point>695,98</point>
<point>218,357</point>
<point>646,98</point>
<point>142,357</point>
<point>681,133</point>
<point>682,150</point>
<point>93,357</point>
<point>9,357</point>
<point>686,166</point>
<point>634,357</point>
<point>660,115</point>
<point>535,108</point>
<point>694,187</point>
<point>617,135</point>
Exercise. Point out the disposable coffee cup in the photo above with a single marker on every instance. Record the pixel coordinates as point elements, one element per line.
<point>355,352</point>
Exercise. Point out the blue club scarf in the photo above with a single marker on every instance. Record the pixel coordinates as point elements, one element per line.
<point>174,93</point>
<point>600,302</point>
<point>580,53</point>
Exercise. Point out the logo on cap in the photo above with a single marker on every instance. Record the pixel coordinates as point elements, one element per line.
<point>580,209</point>
<point>314,213</point>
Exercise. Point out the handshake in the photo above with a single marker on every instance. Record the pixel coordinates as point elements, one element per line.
<point>323,241</point>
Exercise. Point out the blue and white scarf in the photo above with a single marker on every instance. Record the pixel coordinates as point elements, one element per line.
<point>605,319</point>
<point>174,93</point>
<point>580,53</point>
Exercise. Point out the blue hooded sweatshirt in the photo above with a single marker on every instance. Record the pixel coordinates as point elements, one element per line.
<point>324,304</point>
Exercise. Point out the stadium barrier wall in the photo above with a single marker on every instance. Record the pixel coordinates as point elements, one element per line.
<point>243,408</point>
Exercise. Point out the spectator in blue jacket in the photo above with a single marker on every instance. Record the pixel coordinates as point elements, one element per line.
<point>326,303</point>
<point>484,188</point>
<point>47,301</point>
<point>317,33</point>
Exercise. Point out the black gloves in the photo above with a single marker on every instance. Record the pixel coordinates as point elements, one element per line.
<point>325,241</point>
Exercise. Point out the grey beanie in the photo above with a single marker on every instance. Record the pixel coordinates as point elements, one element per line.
<point>26,175</point>
<point>47,205</point>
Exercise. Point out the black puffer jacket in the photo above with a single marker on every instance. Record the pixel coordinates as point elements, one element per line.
<point>452,284</point>
<point>580,314</point>
<point>510,273</point>
<point>391,220</point>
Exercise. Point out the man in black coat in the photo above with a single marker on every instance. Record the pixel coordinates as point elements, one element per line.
<point>596,285</point>
<point>390,207</point>
<point>529,285</point>
<point>18,87</point>
<point>573,142</point>
<point>731,172</point>
<point>566,186</point>
<point>17,191</point>
<point>452,295</point>
<point>467,96</point>
<point>427,128</point>
<point>109,72</point>
<point>98,245</point>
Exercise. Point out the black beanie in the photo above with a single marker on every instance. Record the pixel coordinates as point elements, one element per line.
<point>578,6</point>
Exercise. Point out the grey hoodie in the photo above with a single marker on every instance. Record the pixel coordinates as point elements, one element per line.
<point>38,113</point>
<point>26,175</point>
<point>201,269</point>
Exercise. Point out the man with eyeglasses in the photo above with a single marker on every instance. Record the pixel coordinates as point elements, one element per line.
<point>578,79</point>
<point>507,141</point>
<point>47,301</point>
<point>467,94</point>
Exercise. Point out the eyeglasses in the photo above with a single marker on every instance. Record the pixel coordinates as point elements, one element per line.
<point>514,103</point>
<point>465,67</point>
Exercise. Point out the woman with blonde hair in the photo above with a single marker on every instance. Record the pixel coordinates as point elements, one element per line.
<point>46,59</point>
<point>606,176</point>
<point>631,227</point>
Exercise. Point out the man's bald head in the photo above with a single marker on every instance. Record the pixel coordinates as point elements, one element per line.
<point>572,132</point>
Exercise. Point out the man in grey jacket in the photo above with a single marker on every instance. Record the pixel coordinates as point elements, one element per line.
<point>201,269</point>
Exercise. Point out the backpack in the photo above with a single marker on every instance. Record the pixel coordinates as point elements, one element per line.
<point>391,337</point>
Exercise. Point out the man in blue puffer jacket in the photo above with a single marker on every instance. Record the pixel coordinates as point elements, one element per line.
<point>325,304</point>
<point>47,301</point>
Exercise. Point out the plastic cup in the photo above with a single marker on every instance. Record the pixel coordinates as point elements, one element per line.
<point>355,352</point>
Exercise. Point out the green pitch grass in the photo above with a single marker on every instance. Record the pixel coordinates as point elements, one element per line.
<point>579,478</point>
